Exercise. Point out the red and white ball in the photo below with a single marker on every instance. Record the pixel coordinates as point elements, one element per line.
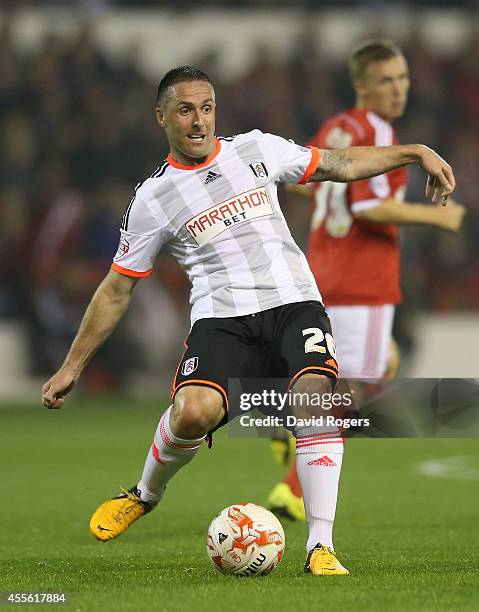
<point>245,540</point>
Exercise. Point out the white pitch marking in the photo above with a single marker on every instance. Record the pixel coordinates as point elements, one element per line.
<point>457,468</point>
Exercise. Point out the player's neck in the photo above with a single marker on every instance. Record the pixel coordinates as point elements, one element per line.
<point>362,106</point>
<point>185,160</point>
<point>179,159</point>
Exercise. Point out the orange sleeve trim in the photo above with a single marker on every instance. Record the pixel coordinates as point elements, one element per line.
<point>313,165</point>
<point>128,272</point>
<point>330,373</point>
<point>204,383</point>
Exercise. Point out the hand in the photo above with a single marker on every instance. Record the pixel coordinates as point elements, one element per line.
<point>450,218</point>
<point>55,389</point>
<point>440,180</point>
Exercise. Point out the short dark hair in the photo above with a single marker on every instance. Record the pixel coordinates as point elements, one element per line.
<point>178,75</point>
<point>371,51</point>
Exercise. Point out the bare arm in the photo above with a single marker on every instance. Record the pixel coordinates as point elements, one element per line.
<point>355,163</point>
<point>400,213</point>
<point>105,310</point>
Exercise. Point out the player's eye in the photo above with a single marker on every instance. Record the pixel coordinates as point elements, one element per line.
<point>207,108</point>
<point>184,110</point>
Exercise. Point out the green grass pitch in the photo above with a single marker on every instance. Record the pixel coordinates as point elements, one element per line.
<point>409,540</point>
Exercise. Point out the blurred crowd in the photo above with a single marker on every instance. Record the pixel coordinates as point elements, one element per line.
<point>77,132</point>
<point>194,4</point>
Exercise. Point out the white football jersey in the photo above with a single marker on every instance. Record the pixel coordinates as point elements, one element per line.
<point>223,223</point>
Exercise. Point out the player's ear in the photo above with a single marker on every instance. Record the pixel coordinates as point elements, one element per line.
<point>160,117</point>
<point>360,88</point>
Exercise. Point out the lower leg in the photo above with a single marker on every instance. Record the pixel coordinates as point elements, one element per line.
<point>319,455</point>
<point>180,433</point>
<point>167,455</point>
<point>319,468</point>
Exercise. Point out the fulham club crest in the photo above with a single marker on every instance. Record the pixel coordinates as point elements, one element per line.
<point>259,169</point>
<point>189,366</point>
<point>123,247</point>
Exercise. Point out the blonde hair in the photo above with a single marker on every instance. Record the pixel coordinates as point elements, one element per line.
<point>370,51</point>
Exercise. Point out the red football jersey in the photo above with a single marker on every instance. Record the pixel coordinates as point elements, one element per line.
<point>355,262</point>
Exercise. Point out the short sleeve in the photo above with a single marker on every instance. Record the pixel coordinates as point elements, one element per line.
<point>292,163</point>
<point>142,237</point>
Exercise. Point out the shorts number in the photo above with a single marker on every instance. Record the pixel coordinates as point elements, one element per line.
<point>313,343</point>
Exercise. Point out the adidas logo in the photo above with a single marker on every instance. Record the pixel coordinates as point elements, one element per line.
<point>324,461</point>
<point>211,176</point>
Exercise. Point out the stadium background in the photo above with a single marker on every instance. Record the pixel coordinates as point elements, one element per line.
<point>77,132</point>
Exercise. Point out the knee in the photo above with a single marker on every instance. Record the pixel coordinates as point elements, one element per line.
<point>196,410</point>
<point>313,383</point>
<point>311,394</point>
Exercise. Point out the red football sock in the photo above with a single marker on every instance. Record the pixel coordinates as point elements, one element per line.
<point>291,479</point>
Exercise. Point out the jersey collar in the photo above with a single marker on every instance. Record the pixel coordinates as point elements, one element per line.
<point>176,164</point>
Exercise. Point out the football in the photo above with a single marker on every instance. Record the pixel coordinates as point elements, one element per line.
<point>245,540</point>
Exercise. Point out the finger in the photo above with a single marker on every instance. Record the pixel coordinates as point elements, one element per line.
<point>56,404</point>
<point>437,194</point>
<point>442,188</point>
<point>47,399</point>
<point>451,179</point>
<point>433,188</point>
<point>44,390</point>
<point>430,186</point>
<point>445,191</point>
<point>446,179</point>
<point>49,395</point>
<point>440,198</point>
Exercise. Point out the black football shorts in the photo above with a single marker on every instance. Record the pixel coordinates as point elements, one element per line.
<point>283,342</point>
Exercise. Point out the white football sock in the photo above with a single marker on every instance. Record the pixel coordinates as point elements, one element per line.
<point>167,455</point>
<point>319,457</point>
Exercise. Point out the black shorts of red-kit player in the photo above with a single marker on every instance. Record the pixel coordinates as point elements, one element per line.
<point>277,343</point>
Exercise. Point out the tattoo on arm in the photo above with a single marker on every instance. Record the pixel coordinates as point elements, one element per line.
<point>333,166</point>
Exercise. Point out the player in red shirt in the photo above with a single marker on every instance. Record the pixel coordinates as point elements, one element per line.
<point>353,246</point>
<point>273,334</point>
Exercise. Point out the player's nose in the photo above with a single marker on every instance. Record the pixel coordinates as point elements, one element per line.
<point>398,88</point>
<point>198,120</point>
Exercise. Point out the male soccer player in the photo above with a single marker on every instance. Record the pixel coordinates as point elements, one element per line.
<point>353,246</point>
<point>256,310</point>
